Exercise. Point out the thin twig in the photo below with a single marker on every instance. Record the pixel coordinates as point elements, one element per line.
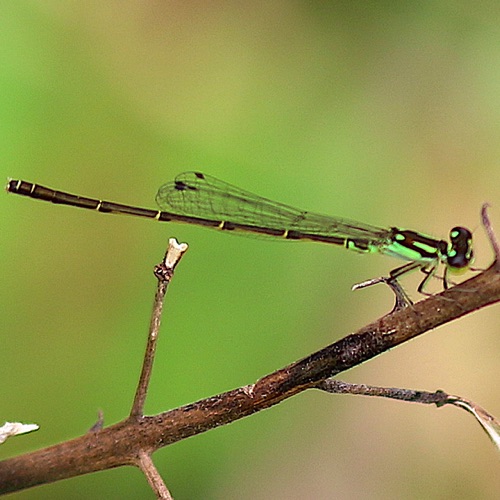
<point>145,463</point>
<point>332,386</point>
<point>491,234</point>
<point>164,273</point>
<point>489,423</point>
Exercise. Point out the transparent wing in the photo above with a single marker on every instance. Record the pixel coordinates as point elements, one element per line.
<point>199,195</point>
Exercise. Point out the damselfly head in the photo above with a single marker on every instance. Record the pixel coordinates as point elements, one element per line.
<point>460,254</point>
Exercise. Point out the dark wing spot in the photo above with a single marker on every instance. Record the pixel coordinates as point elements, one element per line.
<point>182,186</point>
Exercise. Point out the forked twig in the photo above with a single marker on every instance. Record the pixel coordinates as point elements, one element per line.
<point>133,440</point>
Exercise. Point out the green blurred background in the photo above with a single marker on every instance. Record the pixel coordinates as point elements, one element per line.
<point>385,112</point>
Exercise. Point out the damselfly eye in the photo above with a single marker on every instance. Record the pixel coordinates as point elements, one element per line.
<point>460,252</point>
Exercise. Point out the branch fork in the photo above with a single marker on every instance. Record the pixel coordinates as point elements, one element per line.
<point>133,440</point>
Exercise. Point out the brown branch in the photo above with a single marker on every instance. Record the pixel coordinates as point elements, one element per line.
<point>129,441</point>
<point>132,441</point>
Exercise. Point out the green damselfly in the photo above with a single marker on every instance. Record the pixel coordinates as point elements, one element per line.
<point>196,198</point>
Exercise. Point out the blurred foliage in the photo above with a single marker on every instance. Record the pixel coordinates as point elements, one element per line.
<point>386,112</point>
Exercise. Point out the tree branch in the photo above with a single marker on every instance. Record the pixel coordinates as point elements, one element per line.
<point>129,441</point>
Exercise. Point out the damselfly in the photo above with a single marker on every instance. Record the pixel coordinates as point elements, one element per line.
<point>196,198</point>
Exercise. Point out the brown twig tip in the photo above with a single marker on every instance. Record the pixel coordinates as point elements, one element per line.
<point>99,423</point>
<point>491,234</point>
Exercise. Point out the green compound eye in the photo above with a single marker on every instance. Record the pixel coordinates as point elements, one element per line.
<point>460,253</point>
